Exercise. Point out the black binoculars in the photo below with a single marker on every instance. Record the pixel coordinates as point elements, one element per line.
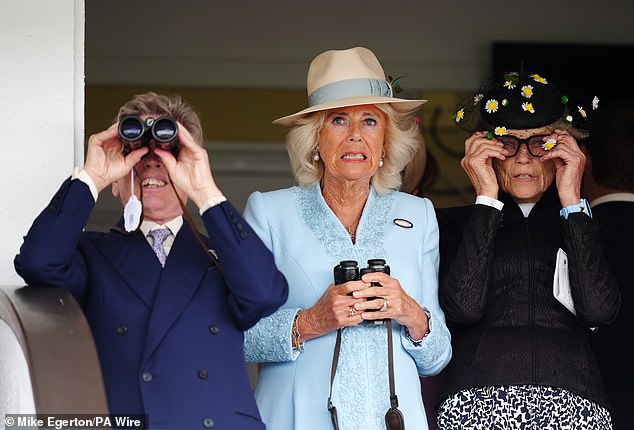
<point>135,133</point>
<point>348,270</point>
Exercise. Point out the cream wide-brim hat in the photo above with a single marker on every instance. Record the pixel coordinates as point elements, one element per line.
<point>348,77</point>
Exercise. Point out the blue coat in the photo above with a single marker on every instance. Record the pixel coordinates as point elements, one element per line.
<point>308,240</point>
<point>169,340</point>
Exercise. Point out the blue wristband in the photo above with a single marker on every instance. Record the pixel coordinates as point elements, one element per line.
<point>583,206</point>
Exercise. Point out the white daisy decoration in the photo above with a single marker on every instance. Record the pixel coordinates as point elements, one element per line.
<point>539,79</point>
<point>509,85</point>
<point>500,131</point>
<point>527,91</point>
<point>569,118</point>
<point>528,107</point>
<point>595,103</point>
<point>459,115</point>
<point>549,144</point>
<point>477,98</point>
<point>582,111</point>
<point>491,106</point>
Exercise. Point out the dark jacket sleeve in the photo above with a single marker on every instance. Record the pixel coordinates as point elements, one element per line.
<point>256,287</point>
<point>593,287</point>
<point>49,253</point>
<point>466,252</point>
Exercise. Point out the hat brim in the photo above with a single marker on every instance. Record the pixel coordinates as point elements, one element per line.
<point>400,105</point>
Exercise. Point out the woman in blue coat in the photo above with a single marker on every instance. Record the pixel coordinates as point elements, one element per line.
<point>347,151</point>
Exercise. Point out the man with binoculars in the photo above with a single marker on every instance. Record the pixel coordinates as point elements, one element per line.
<point>167,320</point>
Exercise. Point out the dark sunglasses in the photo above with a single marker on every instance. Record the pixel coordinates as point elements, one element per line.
<point>536,145</point>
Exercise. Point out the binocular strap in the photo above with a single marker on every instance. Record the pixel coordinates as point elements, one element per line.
<point>394,419</point>
<point>201,242</point>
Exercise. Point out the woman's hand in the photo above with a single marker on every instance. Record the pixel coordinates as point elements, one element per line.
<point>105,163</point>
<point>477,163</point>
<point>569,161</point>
<point>391,301</point>
<point>334,309</point>
<point>191,172</point>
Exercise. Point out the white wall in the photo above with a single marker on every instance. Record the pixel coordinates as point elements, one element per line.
<point>41,111</point>
<point>16,396</point>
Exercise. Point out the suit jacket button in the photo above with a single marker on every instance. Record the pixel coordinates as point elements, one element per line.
<point>203,374</point>
<point>208,423</point>
<point>122,330</point>
<point>244,235</point>
<point>214,329</point>
<point>147,376</point>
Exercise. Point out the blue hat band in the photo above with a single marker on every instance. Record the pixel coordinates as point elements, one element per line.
<point>360,87</point>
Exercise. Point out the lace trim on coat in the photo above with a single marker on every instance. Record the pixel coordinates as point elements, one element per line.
<point>361,387</point>
<point>270,339</point>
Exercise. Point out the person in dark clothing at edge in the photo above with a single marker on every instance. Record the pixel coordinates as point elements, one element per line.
<point>608,183</point>
<point>522,357</point>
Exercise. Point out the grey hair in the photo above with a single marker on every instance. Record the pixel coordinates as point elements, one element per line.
<point>401,142</point>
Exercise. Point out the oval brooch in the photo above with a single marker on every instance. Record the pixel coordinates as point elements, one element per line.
<point>403,223</point>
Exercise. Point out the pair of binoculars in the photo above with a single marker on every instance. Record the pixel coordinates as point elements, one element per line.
<point>159,132</point>
<point>348,270</point>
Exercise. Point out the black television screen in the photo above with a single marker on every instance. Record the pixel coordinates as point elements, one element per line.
<point>600,70</point>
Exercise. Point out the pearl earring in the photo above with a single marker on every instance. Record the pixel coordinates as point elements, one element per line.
<point>381,162</point>
<point>316,153</point>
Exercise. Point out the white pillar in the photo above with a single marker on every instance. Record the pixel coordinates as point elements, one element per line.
<point>41,112</point>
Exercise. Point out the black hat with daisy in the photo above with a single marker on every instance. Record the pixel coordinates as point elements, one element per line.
<point>523,100</point>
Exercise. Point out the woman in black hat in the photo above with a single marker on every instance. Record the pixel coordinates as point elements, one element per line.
<point>523,279</point>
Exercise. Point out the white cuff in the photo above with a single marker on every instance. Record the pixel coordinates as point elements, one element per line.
<point>211,202</point>
<point>489,201</point>
<point>83,176</point>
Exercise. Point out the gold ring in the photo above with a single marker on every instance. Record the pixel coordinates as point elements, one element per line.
<point>352,311</point>
<point>385,305</point>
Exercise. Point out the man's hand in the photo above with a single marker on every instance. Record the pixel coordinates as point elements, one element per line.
<point>105,163</point>
<point>191,172</point>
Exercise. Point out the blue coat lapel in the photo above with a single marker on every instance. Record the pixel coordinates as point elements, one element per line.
<point>184,270</point>
<point>132,257</point>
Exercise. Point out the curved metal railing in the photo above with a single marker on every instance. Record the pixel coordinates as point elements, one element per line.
<point>49,333</point>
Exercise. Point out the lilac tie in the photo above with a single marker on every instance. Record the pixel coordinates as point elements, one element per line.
<point>159,236</point>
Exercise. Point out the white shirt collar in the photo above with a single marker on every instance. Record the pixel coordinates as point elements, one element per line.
<point>526,208</point>
<point>613,197</point>
<point>174,225</point>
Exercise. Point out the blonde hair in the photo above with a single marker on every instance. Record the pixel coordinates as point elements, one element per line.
<point>401,143</point>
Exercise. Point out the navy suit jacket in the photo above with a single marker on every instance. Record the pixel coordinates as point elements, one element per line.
<point>170,340</point>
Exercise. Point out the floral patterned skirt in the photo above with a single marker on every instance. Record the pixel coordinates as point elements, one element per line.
<point>525,407</point>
